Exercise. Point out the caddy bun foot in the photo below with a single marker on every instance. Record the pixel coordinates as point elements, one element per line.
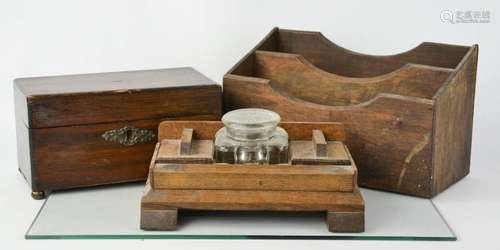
<point>38,195</point>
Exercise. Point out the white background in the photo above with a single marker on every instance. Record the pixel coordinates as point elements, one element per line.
<point>66,37</point>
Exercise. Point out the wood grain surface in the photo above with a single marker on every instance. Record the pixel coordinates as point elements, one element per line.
<point>304,152</point>
<point>290,72</point>
<point>380,134</point>
<point>118,96</point>
<point>453,119</point>
<point>201,151</point>
<point>250,187</point>
<point>252,200</point>
<point>67,126</point>
<point>74,156</point>
<point>205,130</point>
<point>404,114</point>
<point>254,177</point>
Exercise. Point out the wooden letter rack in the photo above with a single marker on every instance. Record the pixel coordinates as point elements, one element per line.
<point>320,176</point>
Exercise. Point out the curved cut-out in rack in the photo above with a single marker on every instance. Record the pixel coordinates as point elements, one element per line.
<point>289,71</point>
<point>408,116</point>
<point>320,175</point>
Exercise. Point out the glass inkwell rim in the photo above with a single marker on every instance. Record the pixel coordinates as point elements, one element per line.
<point>250,124</point>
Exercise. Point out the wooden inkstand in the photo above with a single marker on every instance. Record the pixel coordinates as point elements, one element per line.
<point>318,175</point>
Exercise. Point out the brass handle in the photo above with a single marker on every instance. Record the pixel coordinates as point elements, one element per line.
<point>128,135</point>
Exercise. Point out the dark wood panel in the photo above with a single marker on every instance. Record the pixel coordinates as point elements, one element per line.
<point>330,57</point>
<point>112,81</point>
<point>74,156</point>
<point>90,108</point>
<point>453,125</point>
<point>333,58</point>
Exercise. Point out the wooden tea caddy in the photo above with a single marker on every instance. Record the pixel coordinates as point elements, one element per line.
<point>96,129</point>
<point>320,176</point>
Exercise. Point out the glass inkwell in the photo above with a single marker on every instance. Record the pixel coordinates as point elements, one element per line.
<point>251,136</point>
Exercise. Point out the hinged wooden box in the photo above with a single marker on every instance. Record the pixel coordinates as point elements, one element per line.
<point>93,129</point>
<point>408,116</point>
